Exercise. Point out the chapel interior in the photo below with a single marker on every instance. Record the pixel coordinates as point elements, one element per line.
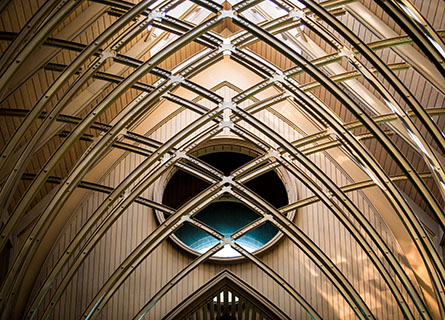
<point>222,159</point>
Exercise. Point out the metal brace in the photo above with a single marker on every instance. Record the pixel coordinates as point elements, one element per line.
<point>227,47</point>
<point>272,153</point>
<point>156,15</point>
<point>181,154</point>
<point>278,77</point>
<point>347,52</point>
<point>227,14</point>
<point>166,157</point>
<point>227,105</point>
<point>297,13</point>
<point>227,179</point>
<point>107,54</point>
<point>122,133</point>
<point>226,124</point>
<point>184,218</point>
<point>175,79</point>
<point>286,157</point>
<point>332,133</point>
<point>227,189</point>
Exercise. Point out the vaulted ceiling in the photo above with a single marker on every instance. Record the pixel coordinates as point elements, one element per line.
<point>360,83</point>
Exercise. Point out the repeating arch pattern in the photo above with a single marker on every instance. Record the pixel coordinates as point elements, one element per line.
<point>151,83</point>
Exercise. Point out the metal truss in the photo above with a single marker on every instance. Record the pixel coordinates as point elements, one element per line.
<point>308,247</point>
<point>355,211</point>
<point>376,62</point>
<point>256,168</point>
<point>238,235</point>
<point>351,229</point>
<point>412,21</point>
<point>11,65</point>
<point>111,217</point>
<point>162,154</point>
<point>428,153</point>
<point>88,158</point>
<point>225,241</point>
<point>114,282</point>
<point>99,300</point>
<point>183,273</point>
<point>144,98</point>
<point>118,58</point>
<point>175,151</point>
<point>24,34</point>
<point>148,245</point>
<point>114,215</point>
<point>374,232</point>
<point>355,109</point>
<point>374,166</point>
<point>431,258</point>
<point>347,223</point>
<point>8,151</point>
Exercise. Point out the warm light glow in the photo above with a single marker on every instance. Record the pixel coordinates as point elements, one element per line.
<point>228,251</point>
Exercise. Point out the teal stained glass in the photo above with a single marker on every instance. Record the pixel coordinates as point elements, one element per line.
<point>226,216</point>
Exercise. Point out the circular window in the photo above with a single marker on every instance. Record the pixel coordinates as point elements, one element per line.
<point>227,214</point>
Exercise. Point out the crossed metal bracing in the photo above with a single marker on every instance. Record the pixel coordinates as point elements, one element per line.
<point>224,114</point>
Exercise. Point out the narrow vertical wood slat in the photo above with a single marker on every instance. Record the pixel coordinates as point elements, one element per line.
<point>226,301</point>
<point>240,308</point>
<point>212,310</point>
<point>233,311</point>
<point>219,306</point>
<point>205,311</point>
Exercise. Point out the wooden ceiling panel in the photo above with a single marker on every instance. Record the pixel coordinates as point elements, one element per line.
<point>31,90</point>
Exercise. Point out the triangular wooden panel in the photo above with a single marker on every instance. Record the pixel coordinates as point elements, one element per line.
<point>227,297</point>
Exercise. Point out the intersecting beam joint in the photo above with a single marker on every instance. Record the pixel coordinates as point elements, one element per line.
<point>181,154</point>
<point>347,52</point>
<point>227,14</point>
<point>297,14</point>
<point>227,47</point>
<point>183,219</point>
<point>278,77</point>
<point>156,15</point>
<point>166,157</point>
<point>106,54</point>
<point>227,181</point>
<point>227,189</point>
<point>273,153</point>
<point>226,124</point>
<point>227,105</point>
<point>287,157</point>
<point>175,79</point>
<point>332,133</point>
